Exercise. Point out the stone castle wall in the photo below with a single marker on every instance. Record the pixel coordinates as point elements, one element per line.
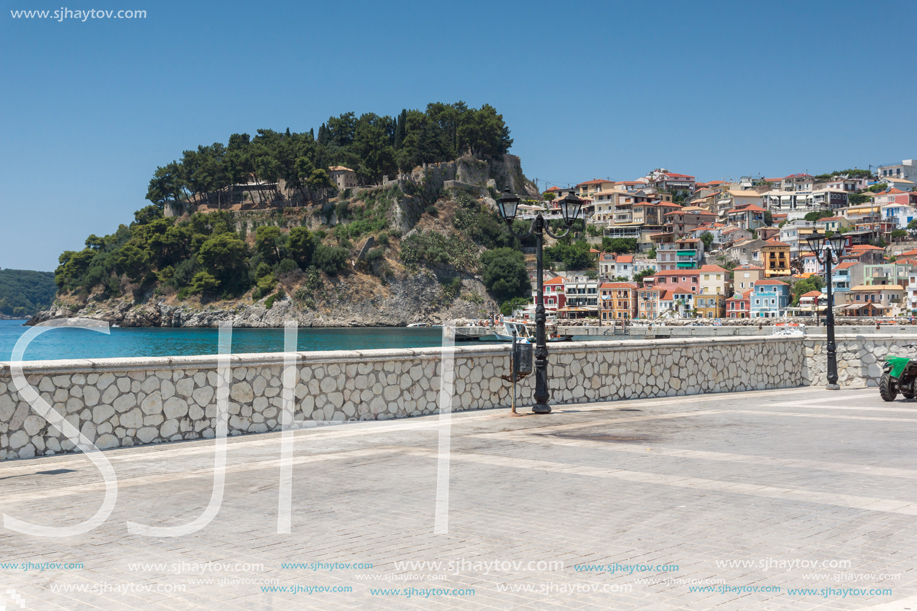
<point>127,402</point>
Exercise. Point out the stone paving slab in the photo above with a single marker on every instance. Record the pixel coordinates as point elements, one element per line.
<point>721,501</point>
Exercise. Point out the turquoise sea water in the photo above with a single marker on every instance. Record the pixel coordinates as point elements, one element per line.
<point>80,343</point>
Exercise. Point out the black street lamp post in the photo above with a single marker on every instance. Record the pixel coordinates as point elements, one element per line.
<point>825,250</point>
<point>570,207</point>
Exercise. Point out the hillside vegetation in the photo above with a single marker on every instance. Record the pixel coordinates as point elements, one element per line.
<point>372,145</point>
<point>23,293</point>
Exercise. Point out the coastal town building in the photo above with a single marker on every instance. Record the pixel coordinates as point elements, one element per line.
<point>745,276</point>
<point>748,217</point>
<point>554,296</point>
<point>770,299</point>
<point>648,302</point>
<point>907,170</point>
<point>618,301</point>
<point>715,287</point>
<point>775,258</point>
<point>798,182</point>
<point>810,264</point>
<point>812,303</point>
<point>689,279</point>
<point>739,305</point>
<point>889,299</point>
<point>846,275</point>
<point>832,223</point>
<point>582,298</point>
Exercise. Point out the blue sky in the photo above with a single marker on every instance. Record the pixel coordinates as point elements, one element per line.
<point>589,90</point>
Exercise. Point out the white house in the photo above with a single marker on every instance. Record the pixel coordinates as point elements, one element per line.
<point>900,213</point>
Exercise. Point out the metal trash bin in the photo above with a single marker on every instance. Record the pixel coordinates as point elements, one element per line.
<point>523,358</point>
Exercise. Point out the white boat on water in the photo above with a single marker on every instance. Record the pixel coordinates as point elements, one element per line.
<point>415,325</point>
<point>504,333</point>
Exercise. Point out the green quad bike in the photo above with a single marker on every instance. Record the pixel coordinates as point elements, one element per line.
<point>899,375</point>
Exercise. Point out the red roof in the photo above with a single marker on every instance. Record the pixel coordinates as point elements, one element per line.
<point>798,176</point>
<point>775,242</point>
<point>770,283</point>
<point>745,296</point>
<point>748,208</point>
<point>555,280</point>
<point>609,256</point>
<point>865,247</point>
<point>711,268</point>
<point>910,253</point>
<point>811,294</point>
<point>594,181</point>
<point>554,189</point>
<point>625,259</point>
<point>677,272</point>
<point>846,264</point>
<point>619,285</point>
<point>671,175</point>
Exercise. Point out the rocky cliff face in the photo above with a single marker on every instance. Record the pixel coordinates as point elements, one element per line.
<point>417,298</point>
<point>398,298</point>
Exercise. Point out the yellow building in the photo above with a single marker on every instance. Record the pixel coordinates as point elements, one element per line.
<point>715,287</point>
<point>775,258</point>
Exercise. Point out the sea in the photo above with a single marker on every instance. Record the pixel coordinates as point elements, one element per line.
<point>64,343</point>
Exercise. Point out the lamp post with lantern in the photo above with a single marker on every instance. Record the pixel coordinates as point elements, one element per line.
<point>826,250</point>
<point>570,208</point>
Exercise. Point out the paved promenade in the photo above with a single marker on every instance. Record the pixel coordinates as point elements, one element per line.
<point>762,500</point>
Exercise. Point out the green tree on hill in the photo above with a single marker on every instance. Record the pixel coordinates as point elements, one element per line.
<point>505,274</point>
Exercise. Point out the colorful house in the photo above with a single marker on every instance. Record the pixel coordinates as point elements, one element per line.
<point>618,300</point>
<point>770,299</point>
<point>554,295</point>
<point>739,305</point>
<point>775,258</point>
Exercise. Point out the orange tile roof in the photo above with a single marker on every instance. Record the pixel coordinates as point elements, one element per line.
<point>747,208</point>
<point>619,285</point>
<point>594,181</point>
<point>677,272</point>
<point>711,268</point>
<point>775,242</point>
<point>555,280</point>
<point>625,259</point>
<point>770,283</point>
<point>812,294</point>
<point>865,247</point>
<point>846,264</point>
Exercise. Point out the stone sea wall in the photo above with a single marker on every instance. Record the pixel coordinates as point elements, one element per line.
<point>859,358</point>
<point>127,402</point>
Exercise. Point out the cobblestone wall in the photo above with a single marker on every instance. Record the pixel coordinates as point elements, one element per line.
<point>859,358</point>
<point>126,402</point>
